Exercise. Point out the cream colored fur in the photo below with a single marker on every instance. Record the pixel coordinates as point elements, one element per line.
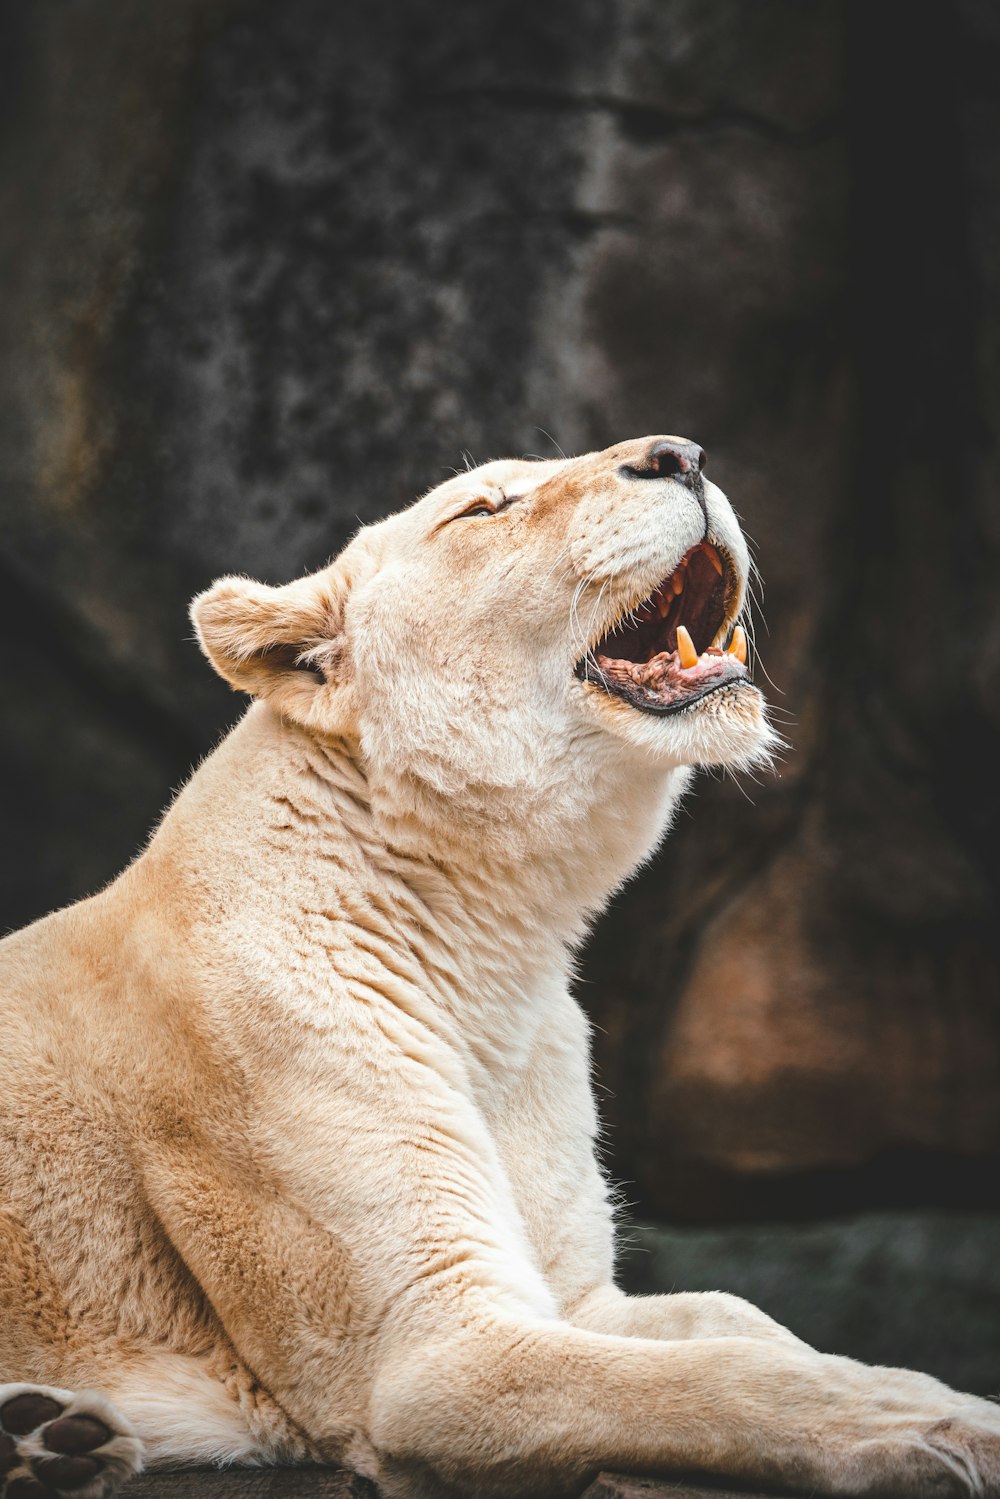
<point>298,1136</point>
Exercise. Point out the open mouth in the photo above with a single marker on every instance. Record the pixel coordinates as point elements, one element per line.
<point>676,646</point>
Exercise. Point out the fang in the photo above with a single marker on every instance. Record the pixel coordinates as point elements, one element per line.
<point>738,645</point>
<point>685,648</point>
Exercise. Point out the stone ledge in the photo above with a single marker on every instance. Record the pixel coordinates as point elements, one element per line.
<point>252,1483</point>
<point>335,1483</point>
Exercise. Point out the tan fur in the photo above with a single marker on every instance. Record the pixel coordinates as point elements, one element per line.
<point>297,1133</point>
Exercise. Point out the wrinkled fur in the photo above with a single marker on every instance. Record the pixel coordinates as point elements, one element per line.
<point>297,1127</point>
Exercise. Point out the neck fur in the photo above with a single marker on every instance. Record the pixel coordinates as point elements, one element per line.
<point>305,820</point>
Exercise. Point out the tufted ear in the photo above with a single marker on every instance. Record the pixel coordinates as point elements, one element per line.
<point>280,643</point>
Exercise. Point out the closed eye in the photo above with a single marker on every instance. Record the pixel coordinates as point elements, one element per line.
<point>483,506</point>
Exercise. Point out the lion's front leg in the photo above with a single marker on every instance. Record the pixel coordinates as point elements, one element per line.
<point>682,1315</point>
<point>505,1407</point>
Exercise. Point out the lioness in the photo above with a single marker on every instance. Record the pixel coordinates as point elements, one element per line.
<point>298,1129</point>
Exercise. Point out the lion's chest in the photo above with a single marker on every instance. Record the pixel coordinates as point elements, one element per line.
<point>543,1120</point>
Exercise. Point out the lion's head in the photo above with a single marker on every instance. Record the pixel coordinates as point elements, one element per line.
<point>539,628</point>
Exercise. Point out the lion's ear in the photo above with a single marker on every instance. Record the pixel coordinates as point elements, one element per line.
<point>279,643</point>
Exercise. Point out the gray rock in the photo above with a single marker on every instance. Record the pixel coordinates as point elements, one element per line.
<point>920,1290</point>
<point>271,270</point>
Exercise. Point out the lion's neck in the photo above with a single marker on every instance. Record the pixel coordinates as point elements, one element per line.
<point>320,864</point>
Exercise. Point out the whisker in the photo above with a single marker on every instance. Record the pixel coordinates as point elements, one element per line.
<point>581,585</point>
<point>593,612</point>
<point>738,783</point>
<point>561,561</point>
<point>588,657</point>
<point>551,440</point>
<point>753,609</point>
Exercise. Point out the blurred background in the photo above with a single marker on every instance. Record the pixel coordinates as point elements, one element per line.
<point>269,270</point>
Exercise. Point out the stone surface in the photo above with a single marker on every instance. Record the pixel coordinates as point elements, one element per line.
<point>631,1486</point>
<point>317,1483</point>
<point>245,1483</point>
<point>269,270</point>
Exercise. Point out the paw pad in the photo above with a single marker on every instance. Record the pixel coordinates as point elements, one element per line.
<point>25,1412</point>
<point>66,1472</point>
<point>60,1457</point>
<point>26,1488</point>
<point>73,1434</point>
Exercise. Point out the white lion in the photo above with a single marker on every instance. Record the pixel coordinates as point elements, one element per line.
<point>298,1133</point>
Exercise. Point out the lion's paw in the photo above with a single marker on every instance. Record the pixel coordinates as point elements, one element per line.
<point>55,1443</point>
<point>954,1456</point>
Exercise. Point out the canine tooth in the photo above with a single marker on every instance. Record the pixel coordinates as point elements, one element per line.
<point>677,582</point>
<point>713,557</point>
<point>685,648</point>
<point>738,645</point>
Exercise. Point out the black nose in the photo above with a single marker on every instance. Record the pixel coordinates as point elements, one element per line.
<point>673,458</point>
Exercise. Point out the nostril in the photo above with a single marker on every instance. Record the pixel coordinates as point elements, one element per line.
<point>672,458</point>
<point>675,458</point>
<point>666,465</point>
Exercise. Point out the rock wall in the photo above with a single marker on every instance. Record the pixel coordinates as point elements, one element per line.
<point>271,270</point>
<point>917,1290</point>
